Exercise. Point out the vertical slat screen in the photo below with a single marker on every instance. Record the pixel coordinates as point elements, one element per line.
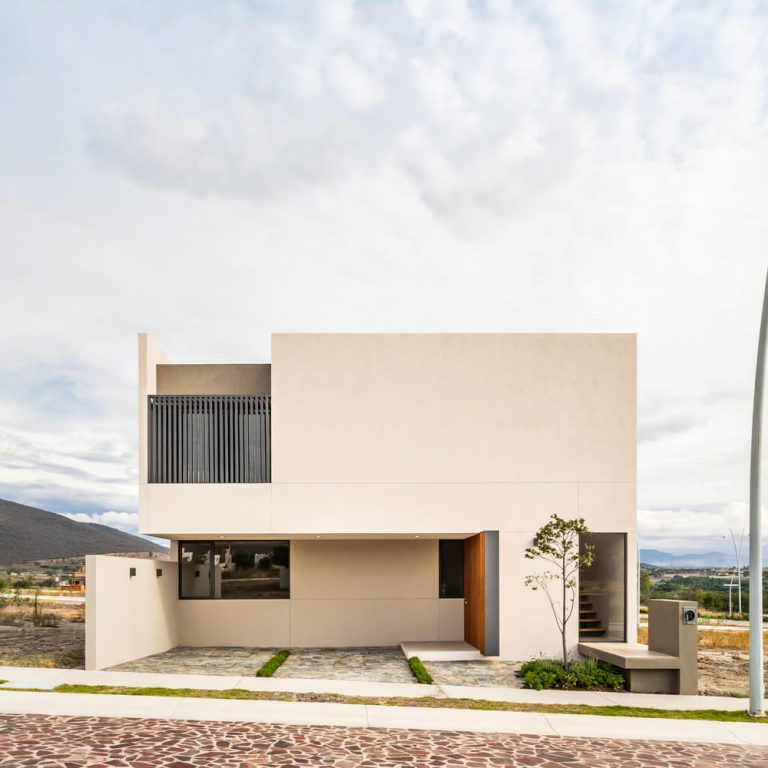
<point>209,439</point>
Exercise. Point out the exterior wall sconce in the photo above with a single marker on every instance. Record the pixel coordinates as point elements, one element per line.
<point>159,572</point>
<point>131,572</point>
<point>535,541</point>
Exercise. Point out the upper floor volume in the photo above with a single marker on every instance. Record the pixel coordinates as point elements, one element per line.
<point>209,438</point>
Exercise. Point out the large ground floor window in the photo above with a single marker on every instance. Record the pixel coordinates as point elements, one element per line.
<point>227,570</point>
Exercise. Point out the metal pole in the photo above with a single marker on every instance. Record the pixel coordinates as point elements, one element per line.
<point>756,681</point>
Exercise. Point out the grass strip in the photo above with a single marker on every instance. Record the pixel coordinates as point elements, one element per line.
<point>272,665</point>
<point>419,670</point>
<point>430,702</point>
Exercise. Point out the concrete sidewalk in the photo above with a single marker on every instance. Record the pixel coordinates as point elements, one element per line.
<point>365,716</point>
<point>35,677</point>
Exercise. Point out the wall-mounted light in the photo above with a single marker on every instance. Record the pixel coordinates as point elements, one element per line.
<point>131,572</point>
<point>535,541</point>
<point>158,572</point>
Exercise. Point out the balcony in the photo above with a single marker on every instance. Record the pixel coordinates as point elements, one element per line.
<point>209,439</point>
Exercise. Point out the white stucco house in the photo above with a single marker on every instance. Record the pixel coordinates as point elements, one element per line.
<point>371,489</point>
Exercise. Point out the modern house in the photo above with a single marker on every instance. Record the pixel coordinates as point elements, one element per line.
<point>364,490</point>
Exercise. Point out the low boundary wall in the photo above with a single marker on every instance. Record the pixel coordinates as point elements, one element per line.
<point>129,616</point>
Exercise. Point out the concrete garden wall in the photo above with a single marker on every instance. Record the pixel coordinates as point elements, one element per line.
<point>127,617</point>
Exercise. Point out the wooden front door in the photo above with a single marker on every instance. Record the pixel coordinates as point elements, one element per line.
<point>474,591</point>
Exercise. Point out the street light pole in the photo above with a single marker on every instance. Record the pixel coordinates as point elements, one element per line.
<point>756,674</point>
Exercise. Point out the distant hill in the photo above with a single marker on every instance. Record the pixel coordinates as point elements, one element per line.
<point>687,560</point>
<point>28,533</point>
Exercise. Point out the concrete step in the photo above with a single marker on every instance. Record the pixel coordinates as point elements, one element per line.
<point>436,650</point>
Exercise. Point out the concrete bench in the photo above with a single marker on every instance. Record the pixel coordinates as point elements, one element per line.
<point>669,663</point>
<point>645,671</point>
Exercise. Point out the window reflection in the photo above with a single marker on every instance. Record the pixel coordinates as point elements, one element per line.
<point>234,570</point>
<point>251,569</point>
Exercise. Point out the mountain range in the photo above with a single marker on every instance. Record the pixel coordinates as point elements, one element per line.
<point>29,533</point>
<point>688,559</point>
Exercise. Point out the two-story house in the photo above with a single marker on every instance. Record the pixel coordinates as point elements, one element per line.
<point>368,489</point>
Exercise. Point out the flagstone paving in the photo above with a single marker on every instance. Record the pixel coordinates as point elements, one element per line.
<point>93,742</point>
<point>201,661</point>
<point>379,665</point>
<point>486,673</point>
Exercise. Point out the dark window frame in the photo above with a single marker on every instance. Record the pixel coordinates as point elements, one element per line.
<point>211,571</point>
<point>444,544</point>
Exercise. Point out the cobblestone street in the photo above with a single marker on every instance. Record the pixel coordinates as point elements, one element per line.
<point>78,742</point>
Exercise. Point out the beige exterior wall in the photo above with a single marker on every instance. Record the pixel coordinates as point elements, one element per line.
<point>348,593</point>
<point>128,617</point>
<point>425,435</point>
<point>245,623</point>
<point>230,379</point>
<point>478,408</point>
<point>150,356</point>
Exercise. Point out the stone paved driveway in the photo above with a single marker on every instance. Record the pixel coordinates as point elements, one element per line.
<point>201,661</point>
<point>380,665</point>
<point>42,741</point>
<point>488,673</point>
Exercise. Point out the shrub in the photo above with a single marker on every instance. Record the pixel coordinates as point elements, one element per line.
<point>419,670</point>
<point>585,673</point>
<point>270,667</point>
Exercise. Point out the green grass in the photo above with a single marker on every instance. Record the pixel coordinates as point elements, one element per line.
<point>270,667</point>
<point>430,702</point>
<point>419,670</point>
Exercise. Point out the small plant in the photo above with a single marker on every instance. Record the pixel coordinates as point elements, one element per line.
<point>419,670</point>
<point>272,665</point>
<point>18,600</point>
<point>585,673</point>
<point>39,617</point>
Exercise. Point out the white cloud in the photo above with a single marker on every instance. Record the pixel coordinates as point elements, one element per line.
<point>214,173</point>
<point>123,521</point>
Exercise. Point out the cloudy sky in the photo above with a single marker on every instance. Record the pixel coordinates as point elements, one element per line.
<point>212,172</point>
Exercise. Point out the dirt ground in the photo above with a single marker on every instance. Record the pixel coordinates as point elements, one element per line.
<point>724,672</point>
<point>22,644</point>
<point>30,646</point>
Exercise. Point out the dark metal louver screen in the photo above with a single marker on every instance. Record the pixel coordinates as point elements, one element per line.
<point>209,439</point>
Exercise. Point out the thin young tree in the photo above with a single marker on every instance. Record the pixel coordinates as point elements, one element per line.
<point>557,544</point>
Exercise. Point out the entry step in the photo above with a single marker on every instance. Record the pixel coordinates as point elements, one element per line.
<point>438,650</point>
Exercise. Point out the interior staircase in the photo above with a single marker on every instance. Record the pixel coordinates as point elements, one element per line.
<point>590,625</point>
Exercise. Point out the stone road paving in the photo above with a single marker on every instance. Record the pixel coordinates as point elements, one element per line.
<point>79,742</point>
